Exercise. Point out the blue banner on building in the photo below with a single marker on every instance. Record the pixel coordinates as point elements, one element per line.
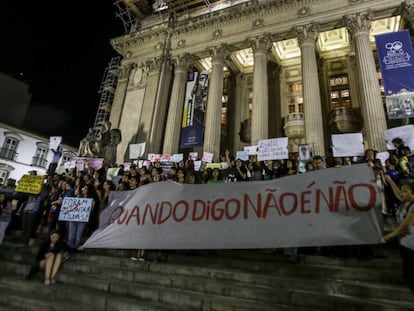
<point>194,110</point>
<point>395,54</point>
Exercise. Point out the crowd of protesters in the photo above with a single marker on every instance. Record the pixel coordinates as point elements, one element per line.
<point>42,216</point>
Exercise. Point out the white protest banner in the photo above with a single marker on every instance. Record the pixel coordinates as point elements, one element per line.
<point>177,157</point>
<point>75,209</point>
<point>347,145</point>
<point>207,157</point>
<point>252,150</point>
<point>136,150</point>
<point>405,132</point>
<point>54,142</point>
<point>95,163</point>
<point>383,156</point>
<point>70,164</point>
<point>154,157</point>
<point>117,198</point>
<point>273,149</point>
<point>127,166</point>
<point>165,158</point>
<point>111,172</point>
<point>193,155</point>
<point>337,206</point>
<point>80,164</point>
<point>242,155</point>
<point>224,165</point>
<point>197,165</point>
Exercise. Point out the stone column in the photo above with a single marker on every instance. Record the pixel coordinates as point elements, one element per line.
<point>408,12</point>
<point>175,110</point>
<point>260,109</point>
<point>212,131</point>
<point>275,119</point>
<point>236,112</point>
<point>144,132</point>
<point>307,36</point>
<point>161,103</point>
<point>372,107</point>
<point>120,93</point>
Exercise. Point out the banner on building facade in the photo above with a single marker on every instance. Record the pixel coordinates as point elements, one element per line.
<point>395,54</point>
<point>337,206</point>
<point>195,104</point>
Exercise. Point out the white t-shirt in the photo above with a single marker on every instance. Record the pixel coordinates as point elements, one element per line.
<point>408,239</point>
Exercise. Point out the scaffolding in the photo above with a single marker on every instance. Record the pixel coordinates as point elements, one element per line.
<point>126,13</point>
<point>107,91</point>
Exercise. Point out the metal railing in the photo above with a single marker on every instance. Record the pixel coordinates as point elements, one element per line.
<point>39,162</point>
<point>8,154</point>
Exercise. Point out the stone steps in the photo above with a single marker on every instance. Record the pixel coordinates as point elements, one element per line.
<point>225,280</point>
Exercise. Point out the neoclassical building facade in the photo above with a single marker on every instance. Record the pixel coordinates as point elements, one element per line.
<point>277,68</point>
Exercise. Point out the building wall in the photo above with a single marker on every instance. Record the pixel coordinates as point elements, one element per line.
<point>244,26</point>
<point>25,159</point>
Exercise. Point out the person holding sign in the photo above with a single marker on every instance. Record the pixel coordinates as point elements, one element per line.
<point>76,228</point>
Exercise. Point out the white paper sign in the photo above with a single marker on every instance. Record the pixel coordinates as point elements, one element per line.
<point>252,150</point>
<point>207,157</point>
<point>136,150</point>
<point>177,157</point>
<point>242,155</point>
<point>383,156</point>
<point>54,142</point>
<point>405,132</point>
<point>273,149</point>
<point>75,209</point>
<point>348,145</point>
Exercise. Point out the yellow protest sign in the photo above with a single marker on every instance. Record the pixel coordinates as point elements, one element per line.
<point>213,165</point>
<point>30,184</point>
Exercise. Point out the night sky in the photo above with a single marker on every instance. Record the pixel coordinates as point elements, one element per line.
<point>61,50</point>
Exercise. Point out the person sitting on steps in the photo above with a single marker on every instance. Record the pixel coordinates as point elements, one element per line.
<point>49,258</point>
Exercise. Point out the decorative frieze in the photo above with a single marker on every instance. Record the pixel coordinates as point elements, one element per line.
<point>181,44</point>
<point>217,34</point>
<point>258,23</point>
<point>304,11</point>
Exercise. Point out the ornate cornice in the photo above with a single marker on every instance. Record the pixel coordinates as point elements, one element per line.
<point>218,19</point>
<point>248,10</point>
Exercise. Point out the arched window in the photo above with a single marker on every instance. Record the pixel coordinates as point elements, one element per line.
<point>10,144</point>
<point>39,159</point>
